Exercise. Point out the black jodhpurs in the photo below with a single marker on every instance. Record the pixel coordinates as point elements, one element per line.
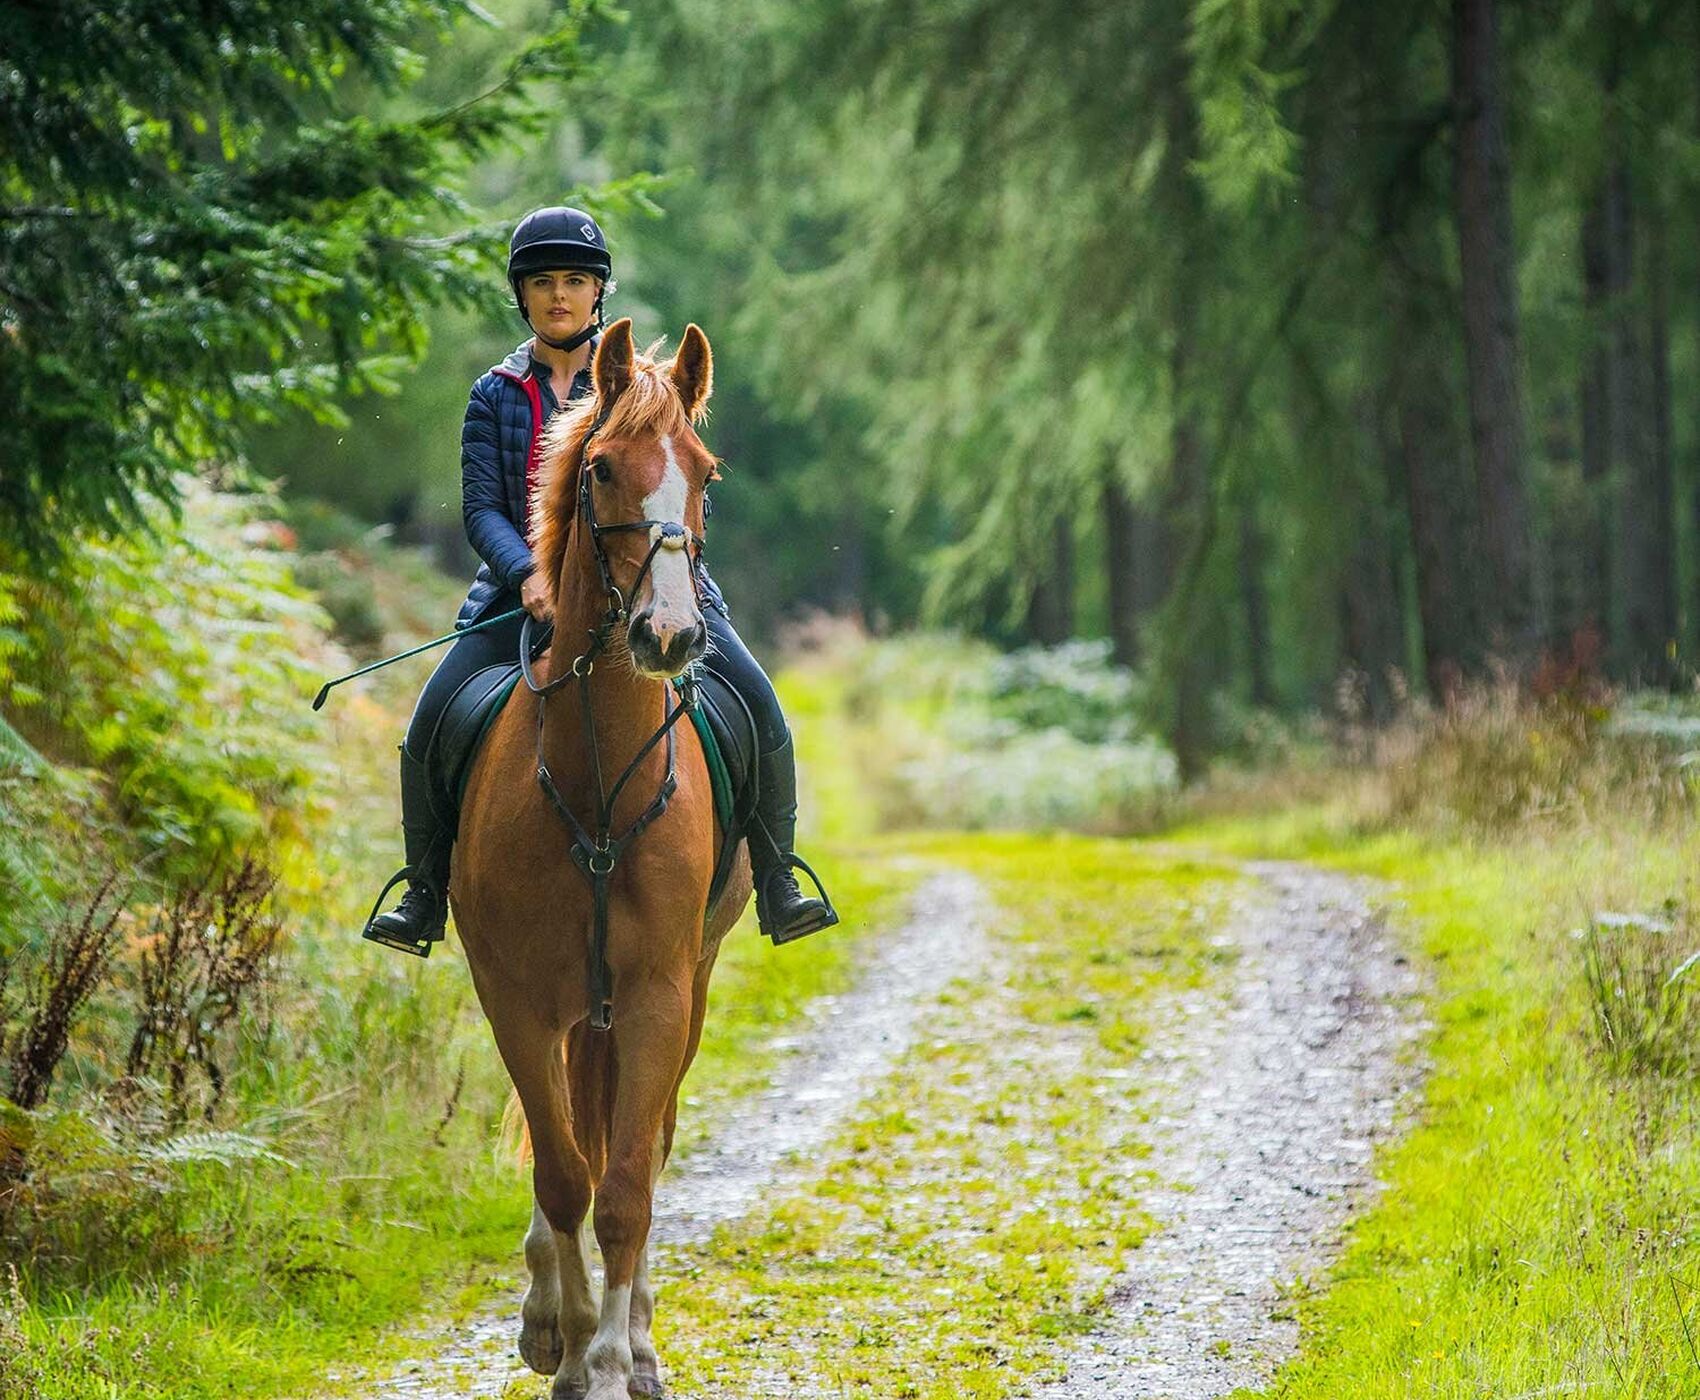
<point>729,657</point>
<point>497,646</point>
<point>494,646</point>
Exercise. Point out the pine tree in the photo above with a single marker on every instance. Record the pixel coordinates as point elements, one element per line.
<point>198,226</point>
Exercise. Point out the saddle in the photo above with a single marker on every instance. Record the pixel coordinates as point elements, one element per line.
<point>723,723</point>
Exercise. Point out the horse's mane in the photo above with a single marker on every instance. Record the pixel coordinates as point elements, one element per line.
<point>649,404</point>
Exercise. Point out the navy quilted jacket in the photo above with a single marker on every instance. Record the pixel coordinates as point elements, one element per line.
<point>502,415</point>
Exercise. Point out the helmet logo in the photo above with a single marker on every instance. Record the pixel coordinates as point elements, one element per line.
<point>589,232</point>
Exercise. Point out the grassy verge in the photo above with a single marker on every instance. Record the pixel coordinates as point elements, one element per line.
<point>351,1186</point>
<point>1539,1234</point>
<point>974,1212</point>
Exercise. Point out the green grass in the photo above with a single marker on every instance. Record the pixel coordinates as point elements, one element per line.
<point>379,1086</point>
<point>1539,1232</point>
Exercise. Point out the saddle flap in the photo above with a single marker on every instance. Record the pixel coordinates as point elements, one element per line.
<point>471,710</point>
<point>725,722</point>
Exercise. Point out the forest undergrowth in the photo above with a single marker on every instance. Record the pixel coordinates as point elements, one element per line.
<point>237,1144</point>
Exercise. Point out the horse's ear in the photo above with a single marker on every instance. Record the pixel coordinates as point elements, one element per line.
<point>693,370</point>
<point>612,372</point>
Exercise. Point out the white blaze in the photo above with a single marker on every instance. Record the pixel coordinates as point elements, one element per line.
<point>674,599</point>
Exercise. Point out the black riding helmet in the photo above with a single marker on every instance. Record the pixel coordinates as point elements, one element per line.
<point>555,239</point>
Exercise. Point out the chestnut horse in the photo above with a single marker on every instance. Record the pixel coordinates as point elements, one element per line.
<point>600,1104</point>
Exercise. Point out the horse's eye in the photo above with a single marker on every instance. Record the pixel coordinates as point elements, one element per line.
<point>600,467</point>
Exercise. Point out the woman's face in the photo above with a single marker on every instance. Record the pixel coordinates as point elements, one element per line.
<point>559,303</point>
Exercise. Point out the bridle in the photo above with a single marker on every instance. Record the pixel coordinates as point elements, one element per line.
<point>597,852</point>
<point>663,534</point>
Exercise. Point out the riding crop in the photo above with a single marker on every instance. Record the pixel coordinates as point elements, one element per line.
<point>325,689</point>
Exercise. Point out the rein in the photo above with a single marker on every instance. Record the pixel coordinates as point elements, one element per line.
<point>596,852</point>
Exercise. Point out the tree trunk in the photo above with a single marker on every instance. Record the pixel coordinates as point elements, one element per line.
<point>1153,559</point>
<point>1050,609</point>
<point>1373,630</point>
<point>1487,261</point>
<point>1661,470</point>
<point>1122,565</point>
<point>1693,493</point>
<point>1641,565</point>
<point>1592,604</point>
<point>1422,384</point>
<point>1186,656</point>
<point>1254,599</point>
<point>1371,635</point>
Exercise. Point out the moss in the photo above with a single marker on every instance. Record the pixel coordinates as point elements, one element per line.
<point>962,1228</point>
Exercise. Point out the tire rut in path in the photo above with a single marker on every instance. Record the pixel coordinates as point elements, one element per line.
<point>843,1048</point>
<point>1269,1110</point>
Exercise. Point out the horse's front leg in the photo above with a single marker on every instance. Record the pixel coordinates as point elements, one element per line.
<point>650,1032</point>
<point>579,1317</point>
<point>558,1316</point>
<point>646,1364</point>
<point>540,1313</point>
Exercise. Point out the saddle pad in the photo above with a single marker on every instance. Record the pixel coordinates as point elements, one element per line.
<point>722,723</point>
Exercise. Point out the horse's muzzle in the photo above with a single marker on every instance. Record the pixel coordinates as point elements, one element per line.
<point>663,651</point>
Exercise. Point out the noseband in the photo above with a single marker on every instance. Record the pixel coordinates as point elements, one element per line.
<point>596,853</point>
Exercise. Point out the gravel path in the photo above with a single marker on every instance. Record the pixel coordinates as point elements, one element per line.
<point>1270,1092</point>
<point>1270,1109</point>
<point>840,1051</point>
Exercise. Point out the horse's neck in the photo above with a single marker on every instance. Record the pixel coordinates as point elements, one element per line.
<point>626,708</point>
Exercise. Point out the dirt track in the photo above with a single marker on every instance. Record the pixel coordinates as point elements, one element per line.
<point>1270,1091</point>
<point>833,1059</point>
<point>1272,1106</point>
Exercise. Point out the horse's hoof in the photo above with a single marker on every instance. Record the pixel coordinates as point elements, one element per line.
<point>645,1382</point>
<point>540,1348</point>
<point>566,1390</point>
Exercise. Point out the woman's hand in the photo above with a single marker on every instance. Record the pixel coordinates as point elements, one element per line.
<point>536,598</point>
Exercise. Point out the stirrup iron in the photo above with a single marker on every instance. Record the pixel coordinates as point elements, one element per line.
<point>420,948</point>
<point>826,918</point>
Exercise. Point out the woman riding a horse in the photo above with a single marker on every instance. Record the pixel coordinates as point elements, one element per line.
<point>560,273</point>
<point>591,912</point>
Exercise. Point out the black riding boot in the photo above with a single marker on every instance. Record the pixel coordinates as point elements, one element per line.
<point>417,922</point>
<point>784,910</point>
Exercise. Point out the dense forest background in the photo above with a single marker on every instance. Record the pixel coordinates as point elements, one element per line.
<point>1277,342</point>
<point>1302,350</point>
